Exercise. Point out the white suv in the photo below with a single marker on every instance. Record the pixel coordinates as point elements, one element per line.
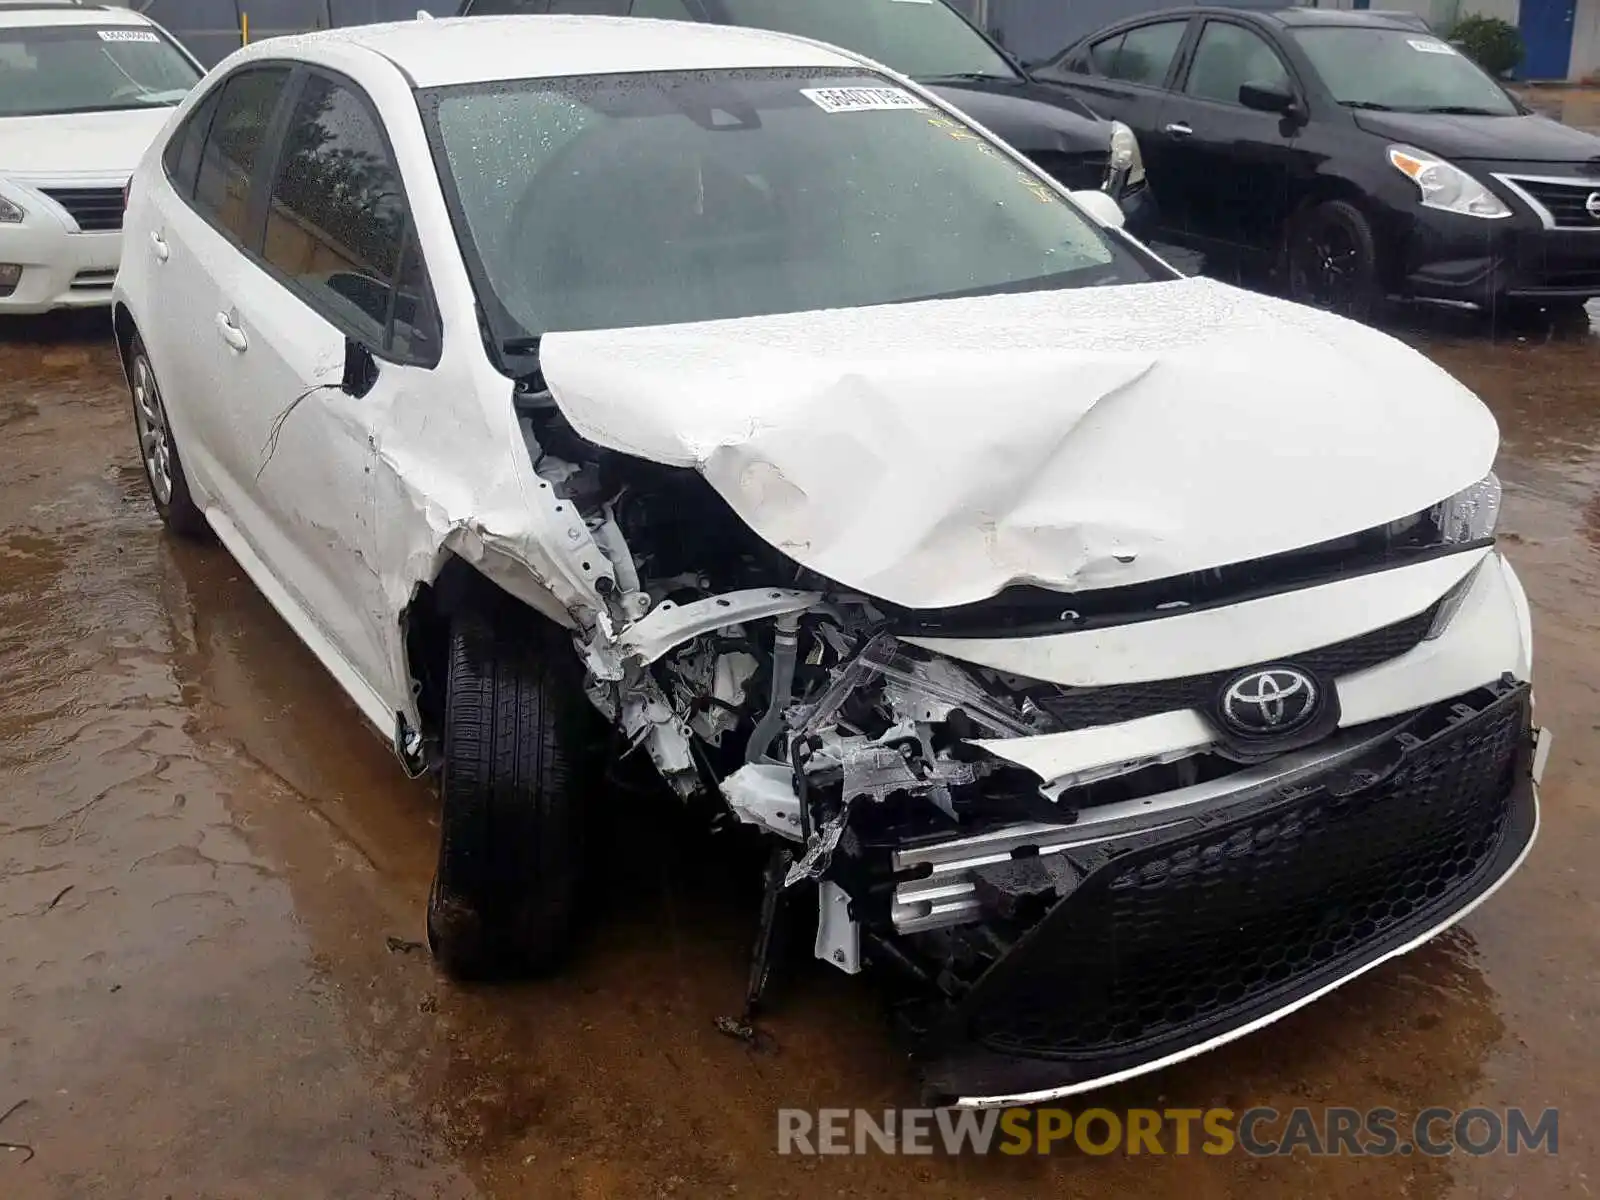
<point>83,90</point>
<point>1114,661</point>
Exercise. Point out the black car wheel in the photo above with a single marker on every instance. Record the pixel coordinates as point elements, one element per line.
<point>158,451</point>
<point>510,844</point>
<point>1333,260</point>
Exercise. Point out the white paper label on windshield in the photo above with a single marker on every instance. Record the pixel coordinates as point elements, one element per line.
<point>127,35</point>
<point>1430,47</point>
<point>860,99</point>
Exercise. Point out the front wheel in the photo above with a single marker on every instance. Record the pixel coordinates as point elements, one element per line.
<point>510,841</point>
<point>1332,260</point>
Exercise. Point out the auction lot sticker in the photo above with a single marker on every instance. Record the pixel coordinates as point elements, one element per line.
<point>861,99</point>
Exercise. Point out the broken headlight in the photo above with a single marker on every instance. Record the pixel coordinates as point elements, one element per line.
<point>1471,514</point>
<point>1126,159</point>
<point>1468,516</point>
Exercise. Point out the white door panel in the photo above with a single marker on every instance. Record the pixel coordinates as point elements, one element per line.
<point>302,452</point>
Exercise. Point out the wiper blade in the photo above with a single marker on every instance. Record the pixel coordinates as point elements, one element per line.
<point>1369,105</point>
<point>968,75</point>
<point>1463,110</point>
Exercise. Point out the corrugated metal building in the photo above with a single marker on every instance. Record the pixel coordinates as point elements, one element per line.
<point>1563,36</point>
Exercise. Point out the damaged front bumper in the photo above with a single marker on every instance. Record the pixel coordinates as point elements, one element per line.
<point>1129,940</point>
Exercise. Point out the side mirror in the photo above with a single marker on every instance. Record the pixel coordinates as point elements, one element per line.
<point>1269,98</point>
<point>1101,207</point>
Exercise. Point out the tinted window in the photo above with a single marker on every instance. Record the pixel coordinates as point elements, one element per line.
<point>413,329</point>
<point>1145,53</point>
<point>1229,56</point>
<point>1103,55</point>
<point>233,144</point>
<point>182,157</point>
<point>922,40</point>
<point>337,212</point>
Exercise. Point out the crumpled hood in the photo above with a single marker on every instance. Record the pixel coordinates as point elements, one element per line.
<point>931,454</point>
<point>100,143</point>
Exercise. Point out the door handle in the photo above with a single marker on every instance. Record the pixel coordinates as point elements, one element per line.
<point>1179,129</point>
<point>231,333</point>
<point>160,244</point>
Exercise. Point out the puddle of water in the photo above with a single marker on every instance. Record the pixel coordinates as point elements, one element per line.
<point>204,855</point>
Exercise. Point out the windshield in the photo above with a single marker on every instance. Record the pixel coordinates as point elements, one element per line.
<point>625,200</point>
<point>924,39</point>
<point>82,68</point>
<point>1401,70</point>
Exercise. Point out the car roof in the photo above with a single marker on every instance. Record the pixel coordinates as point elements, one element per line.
<point>458,50</point>
<point>33,13</point>
<point>1289,16</point>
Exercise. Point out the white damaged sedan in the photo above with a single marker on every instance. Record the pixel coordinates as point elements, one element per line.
<point>1114,661</point>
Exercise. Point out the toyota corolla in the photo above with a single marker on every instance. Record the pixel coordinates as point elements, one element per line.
<point>1114,661</point>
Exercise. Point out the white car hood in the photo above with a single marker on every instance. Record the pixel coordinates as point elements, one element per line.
<point>99,143</point>
<point>932,454</point>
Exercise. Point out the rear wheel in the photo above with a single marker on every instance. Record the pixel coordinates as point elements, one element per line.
<point>510,848</point>
<point>158,452</point>
<point>1332,260</point>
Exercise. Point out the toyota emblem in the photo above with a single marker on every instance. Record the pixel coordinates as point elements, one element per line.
<point>1270,700</point>
<point>1592,205</point>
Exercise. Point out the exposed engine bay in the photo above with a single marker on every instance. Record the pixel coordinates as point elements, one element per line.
<point>746,677</point>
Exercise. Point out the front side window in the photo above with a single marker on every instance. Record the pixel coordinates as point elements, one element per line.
<point>54,69</point>
<point>1401,69</point>
<point>336,217</point>
<point>233,145</point>
<point>1141,55</point>
<point>625,200</point>
<point>924,41</point>
<point>1229,56</point>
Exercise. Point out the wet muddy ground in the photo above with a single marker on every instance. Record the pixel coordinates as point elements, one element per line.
<point>212,879</point>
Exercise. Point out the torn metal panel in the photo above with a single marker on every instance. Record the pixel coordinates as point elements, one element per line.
<point>763,794</point>
<point>671,625</point>
<point>1072,438</point>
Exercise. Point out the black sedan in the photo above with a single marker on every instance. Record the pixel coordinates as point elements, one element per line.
<point>1353,156</point>
<point>930,42</point>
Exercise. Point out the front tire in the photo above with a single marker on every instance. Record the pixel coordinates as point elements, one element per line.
<point>158,452</point>
<point>1332,260</point>
<point>510,833</point>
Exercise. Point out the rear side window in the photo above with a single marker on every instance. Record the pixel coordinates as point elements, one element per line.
<point>182,155</point>
<point>1141,55</point>
<point>233,146</point>
<point>337,220</point>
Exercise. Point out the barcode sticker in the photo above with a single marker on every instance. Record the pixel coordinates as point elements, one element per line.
<point>861,99</point>
<point>127,35</point>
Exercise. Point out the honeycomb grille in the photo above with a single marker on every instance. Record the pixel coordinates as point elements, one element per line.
<point>1081,708</point>
<point>1177,937</point>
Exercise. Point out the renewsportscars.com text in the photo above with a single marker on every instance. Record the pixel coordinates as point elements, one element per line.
<point>1260,1132</point>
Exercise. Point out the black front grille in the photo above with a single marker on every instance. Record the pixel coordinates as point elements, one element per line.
<point>1181,936</point>
<point>1566,202</point>
<point>1080,172</point>
<point>1081,708</point>
<point>94,209</point>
